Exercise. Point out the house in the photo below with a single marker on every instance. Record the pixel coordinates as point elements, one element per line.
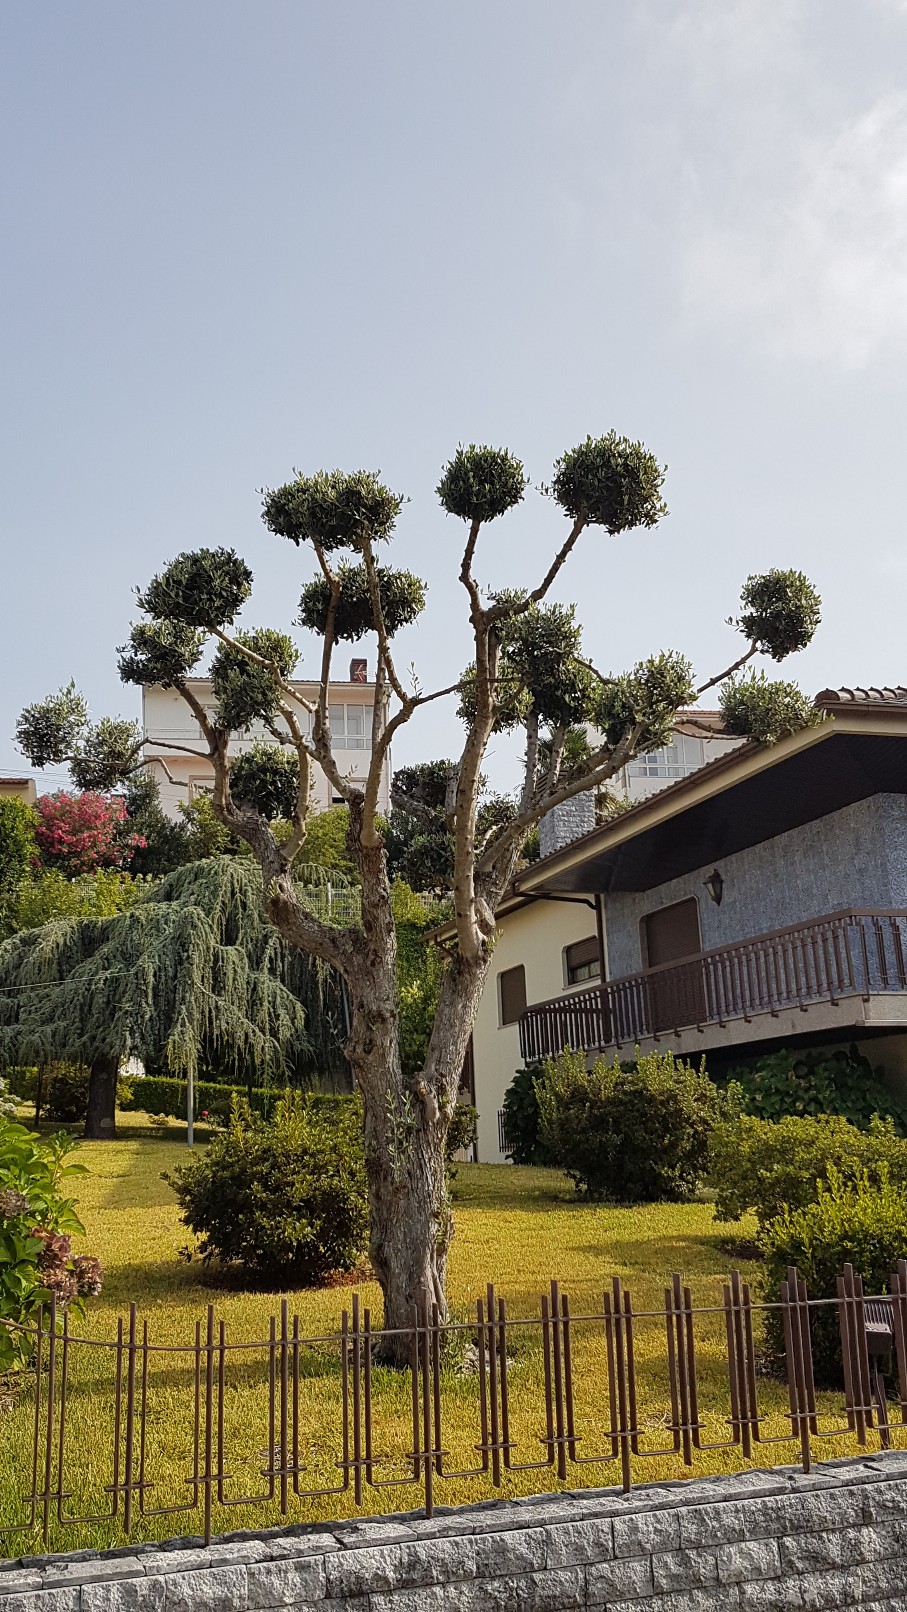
<point>759,902</point>
<point>23,789</point>
<point>171,729</point>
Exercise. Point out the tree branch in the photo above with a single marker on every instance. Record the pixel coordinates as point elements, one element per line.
<point>380,624</point>
<point>537,594</point>
<point>703,687</point>
<point>466,576</point>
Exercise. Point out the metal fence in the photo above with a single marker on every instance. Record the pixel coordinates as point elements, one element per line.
<point>557,1427</point>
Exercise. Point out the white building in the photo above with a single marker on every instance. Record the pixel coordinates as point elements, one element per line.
<point>168,722</point>
<point>691,747</point>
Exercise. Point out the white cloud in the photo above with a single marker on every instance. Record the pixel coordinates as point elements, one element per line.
<point>811,260</point>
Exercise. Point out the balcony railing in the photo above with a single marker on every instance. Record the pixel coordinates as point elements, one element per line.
<point>859,953</point>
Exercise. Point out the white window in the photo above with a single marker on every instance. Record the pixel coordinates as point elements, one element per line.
<point>676,760</point>
<point>350,727</point>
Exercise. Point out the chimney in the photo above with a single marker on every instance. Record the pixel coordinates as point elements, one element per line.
<point>358,671</point>
<point>566,822</point>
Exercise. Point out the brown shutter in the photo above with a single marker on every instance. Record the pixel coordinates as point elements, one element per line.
<point>582,960</point>
<point>513,994</point>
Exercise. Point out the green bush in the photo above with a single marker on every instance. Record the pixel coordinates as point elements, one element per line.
<point>462,1132</point>
<point>36,1226</point>
<point>817,1082</point>
<point>767,1166</point>
<point>862,1223</point>
<point>283,1198</point>
<point>633,1135</point>
<point>521,1118</point>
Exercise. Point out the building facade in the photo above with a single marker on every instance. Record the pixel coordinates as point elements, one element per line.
<point>761,902</point>
<point>171,731</point>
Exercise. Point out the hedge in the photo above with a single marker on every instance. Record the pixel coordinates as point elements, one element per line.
<point>153,1094</point>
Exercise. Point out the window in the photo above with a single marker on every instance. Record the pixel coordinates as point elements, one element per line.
<point>512,986</point>
<point>676,760</point>
<point>582,961</point>
<point>349,728</point>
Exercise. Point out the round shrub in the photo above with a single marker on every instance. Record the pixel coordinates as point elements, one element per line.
<point>862,1223</point>
<point>479,484</point>
<point>632,1135</point>
<point>521,1118</point>
<point>283,1198</point>
<point>768,1166</point>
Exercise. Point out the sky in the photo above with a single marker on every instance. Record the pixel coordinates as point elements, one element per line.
<point>243,239</point>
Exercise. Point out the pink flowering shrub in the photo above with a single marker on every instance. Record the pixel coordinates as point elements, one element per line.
<point>37,1221</point>
<point>80,833</point>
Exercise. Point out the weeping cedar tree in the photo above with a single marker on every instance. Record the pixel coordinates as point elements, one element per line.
<point>528,671</point>
<point>192,975</point>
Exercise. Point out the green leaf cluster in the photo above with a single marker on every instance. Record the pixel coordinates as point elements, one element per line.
<point>334,509</point>
<point>479,484</point>
<point>163,652</point>
<point>781,611</point>
<point>817,1081</point>
<point>285,1198</point>
<point>205,588</point>
<point>860,1222</point>
<point>267,779</point>
<point>521,1118</point>
<point>611,482</point>
<point>402,597</point>
<point>57,730</point>
<point>649,697</point>
<point>37,1219</point>
<point>753,707</point>
<point>636,1134</point>
<point>18,851</point>
<point>766,1167</point>
<point>245,691</point>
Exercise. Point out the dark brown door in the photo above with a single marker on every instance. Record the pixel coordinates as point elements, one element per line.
<point>676,995</point>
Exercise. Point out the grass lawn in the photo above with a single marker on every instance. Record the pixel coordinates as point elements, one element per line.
<point>518,1226</point>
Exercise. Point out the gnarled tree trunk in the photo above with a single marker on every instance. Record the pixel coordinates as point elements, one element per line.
<point>100,1116</point>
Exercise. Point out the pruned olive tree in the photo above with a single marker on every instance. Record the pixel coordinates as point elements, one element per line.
<point>528,671</point>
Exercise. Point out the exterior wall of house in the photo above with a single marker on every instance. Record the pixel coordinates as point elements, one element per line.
<point>856,857</point>
<point>168,720</point>
<point>535,936</point>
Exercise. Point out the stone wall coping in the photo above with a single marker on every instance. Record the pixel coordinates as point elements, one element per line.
<point>680,1517</point>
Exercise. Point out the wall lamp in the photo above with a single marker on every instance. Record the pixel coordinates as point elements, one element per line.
<point>715,886</point>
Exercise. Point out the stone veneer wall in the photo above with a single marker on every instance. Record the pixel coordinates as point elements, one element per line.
<point>856,857</point>
<point>758,1541</point>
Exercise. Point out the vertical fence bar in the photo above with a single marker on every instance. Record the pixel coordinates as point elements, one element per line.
<point>49,1436</point>
<point>357,1404</point>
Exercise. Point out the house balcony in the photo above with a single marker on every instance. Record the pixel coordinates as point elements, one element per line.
<point>846,971</point>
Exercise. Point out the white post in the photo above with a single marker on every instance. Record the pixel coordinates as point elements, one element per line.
<point>190,1109</point>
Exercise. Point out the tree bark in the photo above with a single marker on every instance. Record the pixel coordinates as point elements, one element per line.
<point>100,1117</point>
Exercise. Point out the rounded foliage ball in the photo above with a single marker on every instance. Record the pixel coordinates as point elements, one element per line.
<point>781,611</point>
<point>247,692</point>
<point>206,589</point>
<point>335,509</point>
<point>756,708</point>
<point>611,482</point>
<point>161,652</point>
<point>402,597</point>
<point>267,779</point>
<point>479,484</point>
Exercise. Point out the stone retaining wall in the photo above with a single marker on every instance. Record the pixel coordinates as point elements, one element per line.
<point>751,1543</point>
